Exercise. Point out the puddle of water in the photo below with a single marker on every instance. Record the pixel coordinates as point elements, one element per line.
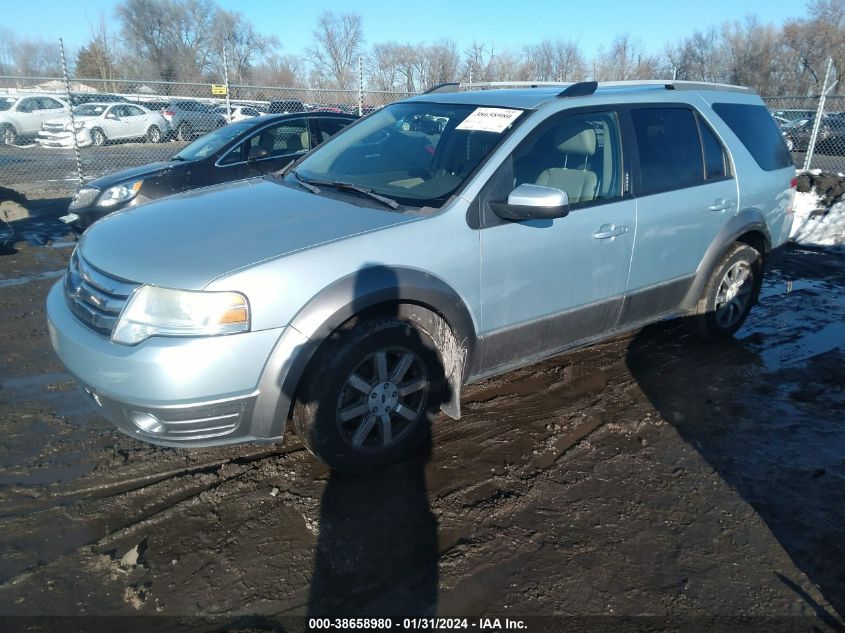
<point>58,390</point>
<point>25,279</point>
<point>803,318</point>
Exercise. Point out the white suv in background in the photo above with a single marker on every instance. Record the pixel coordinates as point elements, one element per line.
<point>21,116</point>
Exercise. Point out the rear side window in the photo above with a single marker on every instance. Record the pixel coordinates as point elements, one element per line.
<point>757,131</point>
<point>669,149</point>
<point>715,161</point>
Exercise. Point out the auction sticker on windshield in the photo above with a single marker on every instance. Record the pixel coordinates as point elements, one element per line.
<point>489,120</point>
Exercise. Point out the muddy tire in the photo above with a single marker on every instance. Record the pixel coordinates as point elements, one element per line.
<point>184,132</point>
<point>729,295</point>
<point>370,394</point>
<point>98,137</point>
<point>154,134</point>
<point>8,136</point>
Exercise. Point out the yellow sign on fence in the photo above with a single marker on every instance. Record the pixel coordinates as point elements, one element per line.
<point>218,90</point>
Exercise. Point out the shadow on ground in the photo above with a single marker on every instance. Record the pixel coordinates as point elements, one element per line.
<point>771,424</point>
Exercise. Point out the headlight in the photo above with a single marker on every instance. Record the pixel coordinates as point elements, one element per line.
<point>84,197</point>
<point>119,193</point>
<point>155,311</point>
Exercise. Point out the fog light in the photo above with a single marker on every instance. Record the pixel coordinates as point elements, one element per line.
<point>146,422</point>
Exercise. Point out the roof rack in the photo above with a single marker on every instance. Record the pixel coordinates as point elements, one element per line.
<point>587,88</point>
<point>580,89</point>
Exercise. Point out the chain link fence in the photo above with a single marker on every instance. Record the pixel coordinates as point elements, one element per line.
<point>42,157</point>
<point>798,117</point>
<point>47,146</point>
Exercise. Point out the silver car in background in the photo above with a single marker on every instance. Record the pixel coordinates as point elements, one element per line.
<point>100,123</point>
<point>442,239</point>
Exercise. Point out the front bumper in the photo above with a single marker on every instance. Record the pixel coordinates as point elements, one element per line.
<point>181,391</point>
<point>48,138</point>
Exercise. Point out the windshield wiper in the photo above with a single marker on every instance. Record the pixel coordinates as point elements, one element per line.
<point>348,186</point>
<point>305,184</point>
<point>284,170</point>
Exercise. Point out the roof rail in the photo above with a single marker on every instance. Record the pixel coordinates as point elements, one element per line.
<point>579,89</point>
<point>671,84</point>
<point>445,87</point>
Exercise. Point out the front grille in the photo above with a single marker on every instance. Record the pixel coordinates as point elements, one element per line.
<point>84,197</point>
<point>54,127</point>
<point>94,297</point>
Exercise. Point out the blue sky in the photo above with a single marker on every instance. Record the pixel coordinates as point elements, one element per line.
<point>504,23</point>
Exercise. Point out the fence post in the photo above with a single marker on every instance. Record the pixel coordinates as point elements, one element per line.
<point>72,119</point>
<point>360,85</point>
<point>819,112</point>
<point>226,82</point>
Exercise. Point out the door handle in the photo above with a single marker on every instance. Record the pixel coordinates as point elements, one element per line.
<point>608,231</point>
<point>720,204</point>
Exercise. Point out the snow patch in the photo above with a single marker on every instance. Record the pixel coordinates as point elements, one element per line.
<point>812,224</point>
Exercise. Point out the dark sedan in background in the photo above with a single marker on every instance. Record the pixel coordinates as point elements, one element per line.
<point>243,149</point>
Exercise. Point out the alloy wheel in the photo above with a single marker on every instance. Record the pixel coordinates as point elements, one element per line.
<point>382,399</point>
<point>734,294</point>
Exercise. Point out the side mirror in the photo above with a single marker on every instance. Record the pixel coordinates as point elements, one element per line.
<point>257,152</point>
<point>533,202</point>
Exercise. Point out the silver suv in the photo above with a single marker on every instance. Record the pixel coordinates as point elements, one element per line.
<point>442,239</point>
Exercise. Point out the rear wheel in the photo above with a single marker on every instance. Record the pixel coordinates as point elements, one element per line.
<point>98,137</point>
<point>370,394</point>
<point>8,136</point>
<point>154,134</point>
<point>729,295</point>
<point>184,132</point>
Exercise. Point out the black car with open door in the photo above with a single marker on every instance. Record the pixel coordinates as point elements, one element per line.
<point>238,150</point>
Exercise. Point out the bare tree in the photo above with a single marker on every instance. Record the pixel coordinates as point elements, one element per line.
<point>625,59</point>
<point>280,70</point>
<point>98,59</point>
<point>337,45</point>
<point>243,44</point>
<point>555,61</point>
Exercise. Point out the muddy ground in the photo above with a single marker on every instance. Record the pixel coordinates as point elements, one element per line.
<point>649,475</point>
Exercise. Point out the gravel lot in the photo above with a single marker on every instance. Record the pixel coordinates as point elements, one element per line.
<point>648,475</point>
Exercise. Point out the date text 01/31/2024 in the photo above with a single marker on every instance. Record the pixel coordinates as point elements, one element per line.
<point>412,624</point>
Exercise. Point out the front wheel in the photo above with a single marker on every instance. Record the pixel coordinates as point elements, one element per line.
<point>8,136</point>
<point>370,394</point>
<point>790,144</point>
<point>98,137</point>
<point>154,134</point>
<point>729,294</point>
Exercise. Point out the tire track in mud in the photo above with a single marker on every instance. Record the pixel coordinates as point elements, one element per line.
<point>144,501</point>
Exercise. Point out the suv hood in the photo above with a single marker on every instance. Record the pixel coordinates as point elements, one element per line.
<point>188,240</point>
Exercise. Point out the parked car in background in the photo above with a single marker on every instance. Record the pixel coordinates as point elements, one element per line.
<point>355,294</point>
<point>830,137</point>
<point>242,149</point>
<point>101,123</point>
<point>282,106</point>
<point>21,116</point>
<point>78,98</point>
<point>188,118</point>
<point>237,113</point>
<point>794,114</point>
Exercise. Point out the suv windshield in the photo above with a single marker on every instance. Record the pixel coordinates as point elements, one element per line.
<point>417,153</point>
<point>207,145</point>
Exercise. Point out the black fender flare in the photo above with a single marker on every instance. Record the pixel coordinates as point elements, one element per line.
<point>419,294</point>
<point>745,221</point>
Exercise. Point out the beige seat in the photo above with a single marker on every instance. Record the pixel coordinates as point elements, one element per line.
<point>575,145</point>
